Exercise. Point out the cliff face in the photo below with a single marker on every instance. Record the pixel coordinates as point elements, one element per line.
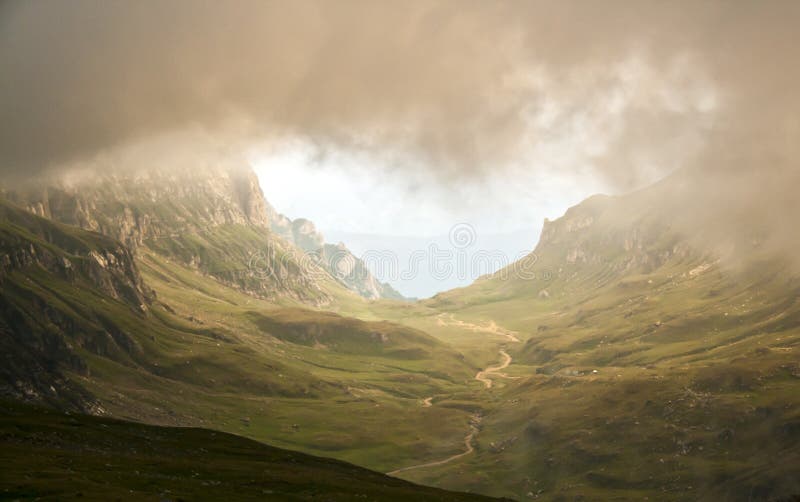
<point>59,286</point>
<point>151,204</point>
<point>353,273</point>
<point>611,232</point>
<point>305,235</point>
<point>29,241</point>
<point>213,220</point>
<point>685,216</point>
<point>339,262</point>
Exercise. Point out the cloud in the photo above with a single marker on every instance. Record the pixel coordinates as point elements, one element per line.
<point>625,91</point>
<point>443,80</point>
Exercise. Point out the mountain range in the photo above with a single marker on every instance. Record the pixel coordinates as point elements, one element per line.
<point>639,349</point>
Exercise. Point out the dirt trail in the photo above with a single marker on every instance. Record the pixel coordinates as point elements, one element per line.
<point>473,430</point>
<point>483,375</point>
<point>490,327</point>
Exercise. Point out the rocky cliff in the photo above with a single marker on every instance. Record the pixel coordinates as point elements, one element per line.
<point>212,219</point>
<point>353,273</point>
<point>28,241</point>
<point>338,261</point>
<point>150,204</point>
<point>60,287</point>
<point>610,232</point>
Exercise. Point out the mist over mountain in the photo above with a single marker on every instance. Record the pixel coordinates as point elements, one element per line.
<point>617,296</point>
<point>523,249</point>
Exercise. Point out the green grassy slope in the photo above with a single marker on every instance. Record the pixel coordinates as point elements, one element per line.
<point>89,458</point>
<point>644,365</point>
<point>198,352</point>
<point>647,366</point>
<point>325,369</point>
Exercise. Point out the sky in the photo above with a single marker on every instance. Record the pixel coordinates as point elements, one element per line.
<point>382,210</point>
<point>344,193</point>
<point>378,211</point>
<point>406,118</point>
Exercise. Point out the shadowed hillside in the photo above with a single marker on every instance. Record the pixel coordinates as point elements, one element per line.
<point>102,459</point>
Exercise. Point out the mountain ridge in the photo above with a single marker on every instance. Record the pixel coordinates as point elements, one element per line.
<point>634,359</point>
<point>151,207</point>
<point>337,259</point>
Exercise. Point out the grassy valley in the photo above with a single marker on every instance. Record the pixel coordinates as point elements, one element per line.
<point>619,360</point>
<point>659,372</point>
<point>199,352</point>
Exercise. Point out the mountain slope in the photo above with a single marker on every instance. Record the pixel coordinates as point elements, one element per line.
<point>215,219</point>
<point>85,327</point>
<point>102,459</point>
<point>337,260</point>
<point>657,358</point>
<point>50,275</point>
<point>619,271</point>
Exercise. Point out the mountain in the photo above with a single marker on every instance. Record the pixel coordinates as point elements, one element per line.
<point>215,219</point>
<point>336,259</point>
<point>604,239</point>
<point>87,325</point>
<point>49,274</point>
<point>657,355</point>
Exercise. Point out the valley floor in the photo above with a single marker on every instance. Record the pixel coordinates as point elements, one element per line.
<point>677,382</point>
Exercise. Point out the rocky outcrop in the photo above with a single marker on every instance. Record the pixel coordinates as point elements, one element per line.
<point>610,232</point>
<point>185,214</point>
<point>60,290</point>
<point>213,220</point>
<point>279,224</point>
<point>353,273</point>
<point>150,204</point>
<point>305,235</point>
<point>339,262</point>
<point>107,265</point>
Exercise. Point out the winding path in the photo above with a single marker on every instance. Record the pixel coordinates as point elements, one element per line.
<point>491,327</point>
<point>473,430</point>
<point>483,377</point>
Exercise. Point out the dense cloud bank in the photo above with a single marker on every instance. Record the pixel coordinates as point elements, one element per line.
<point>461,86</point>
<point>625,90</point>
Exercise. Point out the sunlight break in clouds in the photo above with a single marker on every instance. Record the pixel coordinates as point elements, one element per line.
<point>365,199</point>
